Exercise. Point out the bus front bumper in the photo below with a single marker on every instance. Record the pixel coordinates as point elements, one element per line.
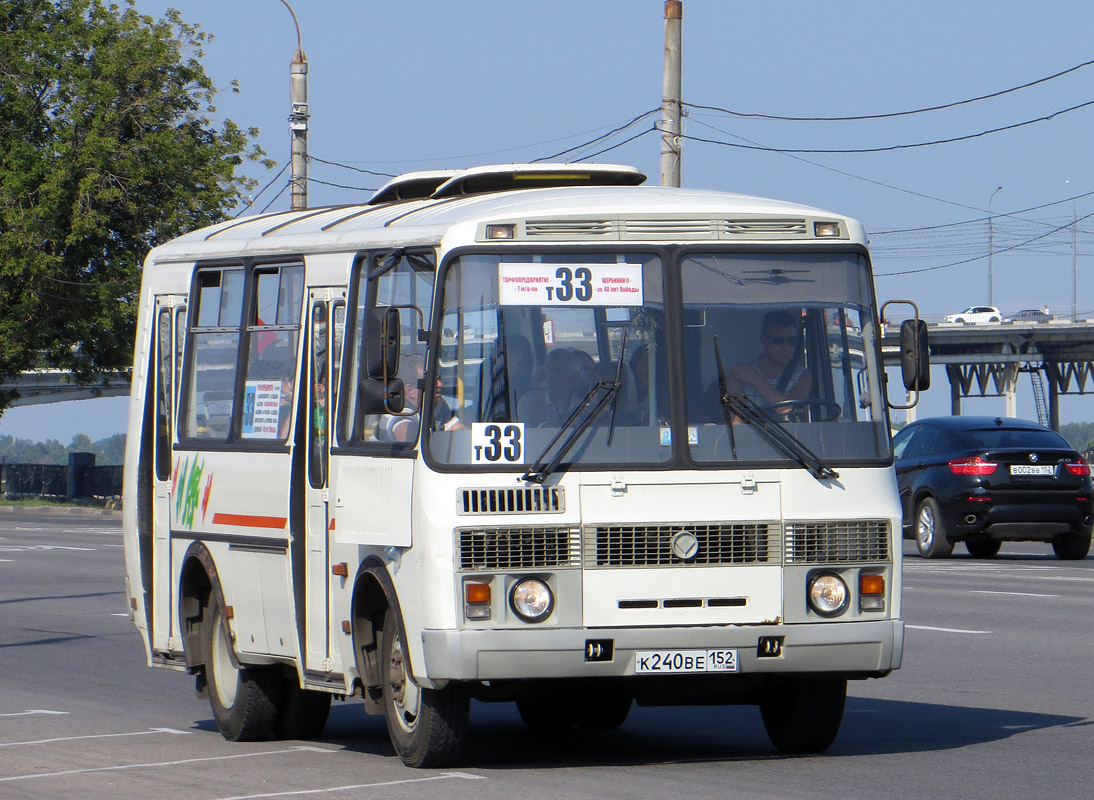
<point>852,649</point>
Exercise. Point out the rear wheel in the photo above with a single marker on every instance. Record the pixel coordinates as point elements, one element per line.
<point>547,713</point>
<point>930,530</point>
<point>1072,546</point>
<point>426,726</point>
<point>244,700</point>
<point>803,715</point>
<point>983,548</point>
<point>303,713</point>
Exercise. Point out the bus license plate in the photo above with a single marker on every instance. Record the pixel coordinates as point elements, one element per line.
<point>663,662</point>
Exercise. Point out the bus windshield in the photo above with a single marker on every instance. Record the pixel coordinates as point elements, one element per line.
<point>573,352</point>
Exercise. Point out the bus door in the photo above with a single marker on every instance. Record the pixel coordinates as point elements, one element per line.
<point>326,322</point>
<point>170,333</point>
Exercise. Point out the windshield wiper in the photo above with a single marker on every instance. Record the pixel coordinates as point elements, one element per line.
<point>746,409</point>
<point>607,390</point>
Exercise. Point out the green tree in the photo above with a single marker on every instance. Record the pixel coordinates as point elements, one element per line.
<point>107,148</point>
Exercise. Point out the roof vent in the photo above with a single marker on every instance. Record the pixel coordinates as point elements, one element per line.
<point>411,186</point>
<point>511,177</point>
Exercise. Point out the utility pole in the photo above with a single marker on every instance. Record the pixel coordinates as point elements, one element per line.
<point>298,120</point>
<point>671,111</point>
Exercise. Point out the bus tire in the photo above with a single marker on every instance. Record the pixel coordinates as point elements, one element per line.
<point>303,713</point>
<point>427,727</point>
<point>930,530</point>
<point>244,700</point>
<point>603,712</point>
<point>803,715</point>
<point>546,713</point>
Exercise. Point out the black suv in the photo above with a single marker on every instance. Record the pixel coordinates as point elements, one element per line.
<point>986,480</point>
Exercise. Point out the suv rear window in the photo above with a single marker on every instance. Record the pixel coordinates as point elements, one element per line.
<point>1002,437</point>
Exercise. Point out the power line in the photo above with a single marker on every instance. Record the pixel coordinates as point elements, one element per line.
<point>355,169</point>
<point>254,199</point>
<point>894,113</point>
<point>599,138</point>
<point>614,146</point>
<point>283,188</point>
<point>341,185</point>
<point>890,148</point>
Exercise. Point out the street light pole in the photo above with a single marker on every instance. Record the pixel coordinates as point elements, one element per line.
<point>670,95</point>
<point>298,120</point>
<point>991,248</point>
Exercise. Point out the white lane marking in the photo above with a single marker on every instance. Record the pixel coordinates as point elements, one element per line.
<point>32,711</point>
<point>1012,594</point>
<point>442,777</point>
<point>95,736</point>
<point>150,764</point>
<point>20,548</point>
<point>943,630</point>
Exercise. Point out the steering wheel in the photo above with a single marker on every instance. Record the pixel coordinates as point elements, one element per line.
<point>805,409</point>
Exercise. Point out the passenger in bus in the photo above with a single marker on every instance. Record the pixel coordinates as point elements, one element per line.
<point>552,404</point>
<point>405,427</point>
<point>777,373</point>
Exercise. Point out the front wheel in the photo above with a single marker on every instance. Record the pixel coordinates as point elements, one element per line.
<point>1071,547</point>
<point>930,530</point>
<point>244,700</point>
<point>426,726</point>
<point>803,715</point>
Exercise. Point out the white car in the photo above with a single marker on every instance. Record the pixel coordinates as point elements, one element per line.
<point>976,315</point>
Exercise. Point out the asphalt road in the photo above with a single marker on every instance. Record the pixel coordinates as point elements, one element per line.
<point>994,701</point>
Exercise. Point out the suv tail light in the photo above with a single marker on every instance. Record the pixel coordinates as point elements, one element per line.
<point>1078,468</point>
<point>972,466</point>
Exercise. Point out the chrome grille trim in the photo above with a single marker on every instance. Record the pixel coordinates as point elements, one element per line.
<point>511,500</point>
<point>836,542</point>
<point>612,546</point>
<point>517,548</point>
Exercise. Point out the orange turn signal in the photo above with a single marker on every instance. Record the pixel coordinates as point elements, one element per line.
<point>477,592</point>
<point>871,584</point>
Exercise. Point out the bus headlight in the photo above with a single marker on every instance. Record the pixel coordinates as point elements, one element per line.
<point>828,594</point>
<point>531,599</point>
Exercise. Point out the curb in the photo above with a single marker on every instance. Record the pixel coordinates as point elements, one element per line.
<point>84,510</point>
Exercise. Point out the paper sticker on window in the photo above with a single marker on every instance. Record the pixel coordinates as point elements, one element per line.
<point>570,284</point>
<point>261,408</point>
<point>497,443</point>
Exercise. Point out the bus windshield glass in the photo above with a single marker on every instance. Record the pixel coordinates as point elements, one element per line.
<point>571,352</point>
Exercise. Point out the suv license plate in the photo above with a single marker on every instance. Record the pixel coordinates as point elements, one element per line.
<point>663,662</point>
<point>1031,469</point>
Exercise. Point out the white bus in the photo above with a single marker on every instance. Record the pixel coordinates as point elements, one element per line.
<point>531,433</point>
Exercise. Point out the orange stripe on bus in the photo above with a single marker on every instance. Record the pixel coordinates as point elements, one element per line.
<point>250,521</point>
<point>331,524</point>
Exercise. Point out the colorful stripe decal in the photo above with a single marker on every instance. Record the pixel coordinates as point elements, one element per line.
<point>250,521</point>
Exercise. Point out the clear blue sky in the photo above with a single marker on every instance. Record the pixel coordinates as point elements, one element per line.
<point>416,84</point>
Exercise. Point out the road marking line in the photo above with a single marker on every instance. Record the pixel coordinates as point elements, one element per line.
<point>299,792</point>
<point>943,630</point>
<point>120,767</point>
<point>1012,594</point>
<point>93,736</point>
<point>32,711</point>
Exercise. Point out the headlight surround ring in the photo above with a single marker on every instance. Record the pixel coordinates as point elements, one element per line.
<point>828,594</point>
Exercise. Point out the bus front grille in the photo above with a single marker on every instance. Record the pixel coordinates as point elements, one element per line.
<point>511,500</point>
<point>609,546</point>
<point>837,542</point>
<point>518,548</point>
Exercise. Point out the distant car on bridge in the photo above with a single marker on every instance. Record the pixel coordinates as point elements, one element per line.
<point>976,315</point>
<point>1031,315</point>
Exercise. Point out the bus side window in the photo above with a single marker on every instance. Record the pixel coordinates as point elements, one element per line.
<point>210,370</point>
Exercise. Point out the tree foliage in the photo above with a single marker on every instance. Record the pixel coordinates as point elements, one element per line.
<point>24,451</point>
<point>107,148</point>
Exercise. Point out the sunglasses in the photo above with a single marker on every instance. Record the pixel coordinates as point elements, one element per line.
<point>782,340</point>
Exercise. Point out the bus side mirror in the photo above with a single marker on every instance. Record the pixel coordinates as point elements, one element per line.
<point>377,397</point>
<point>382,342</point>
<point>915,366</point>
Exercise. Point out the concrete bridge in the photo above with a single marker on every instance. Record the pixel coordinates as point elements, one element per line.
<point>58,386</point>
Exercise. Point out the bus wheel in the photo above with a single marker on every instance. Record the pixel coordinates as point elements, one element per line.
<point>604,712</point>
<point>426,726</point>
<point>244,701</point>
<point>803,715</point>
<point>303,713</point>
<point>548,713</point>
